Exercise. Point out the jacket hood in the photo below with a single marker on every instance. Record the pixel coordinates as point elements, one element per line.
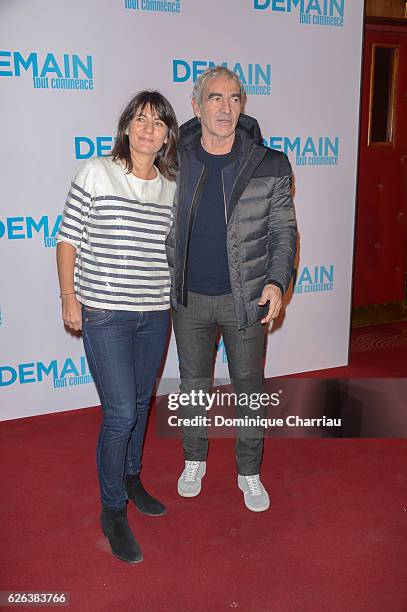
<point>247,129</point>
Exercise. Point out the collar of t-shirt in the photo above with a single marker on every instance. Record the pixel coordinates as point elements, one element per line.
<point>213,162</point>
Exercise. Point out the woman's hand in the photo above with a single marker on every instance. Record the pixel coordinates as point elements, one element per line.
<point>72,312</point>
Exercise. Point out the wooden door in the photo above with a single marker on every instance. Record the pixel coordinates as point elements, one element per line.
<point>381,217</point>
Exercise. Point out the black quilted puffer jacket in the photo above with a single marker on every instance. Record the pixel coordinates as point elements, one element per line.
<point>261,226</point>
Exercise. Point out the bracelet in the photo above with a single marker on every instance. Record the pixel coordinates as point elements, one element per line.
<point>64,294</point>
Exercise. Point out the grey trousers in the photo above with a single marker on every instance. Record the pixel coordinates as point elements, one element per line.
<point>196,329</point>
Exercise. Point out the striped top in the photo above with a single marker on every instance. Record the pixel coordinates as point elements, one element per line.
<point>118,224</point>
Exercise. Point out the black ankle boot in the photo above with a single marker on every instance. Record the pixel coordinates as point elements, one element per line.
<point>121,540</point>
<point>141,499</point>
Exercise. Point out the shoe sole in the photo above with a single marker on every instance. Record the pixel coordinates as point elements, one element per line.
<point>256,509</point>
<point>149,513</point>
<point>122,558</point>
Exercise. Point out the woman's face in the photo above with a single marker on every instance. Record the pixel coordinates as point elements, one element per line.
<point>147,133</point>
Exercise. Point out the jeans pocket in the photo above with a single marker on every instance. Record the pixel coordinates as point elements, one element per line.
<point>96,316</point>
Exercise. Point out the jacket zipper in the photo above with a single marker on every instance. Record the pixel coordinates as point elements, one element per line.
<point>241,171</point>
<point>224,199</point>
<point>234,184</point>
<point>198,190</point>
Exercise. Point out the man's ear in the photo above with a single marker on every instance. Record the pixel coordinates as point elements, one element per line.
<point>195,108</point>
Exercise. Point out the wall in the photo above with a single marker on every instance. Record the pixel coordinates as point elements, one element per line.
<point>302,72</point>
<point>386,8</point>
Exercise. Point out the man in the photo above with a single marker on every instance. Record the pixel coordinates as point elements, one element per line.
<point>231,252</point>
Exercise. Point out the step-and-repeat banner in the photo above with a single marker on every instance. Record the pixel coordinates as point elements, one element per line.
<point>66,71</point>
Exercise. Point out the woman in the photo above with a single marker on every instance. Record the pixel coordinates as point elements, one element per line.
<point>115,286</point>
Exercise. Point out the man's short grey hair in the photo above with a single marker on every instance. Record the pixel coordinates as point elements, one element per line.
<point>213,73</point>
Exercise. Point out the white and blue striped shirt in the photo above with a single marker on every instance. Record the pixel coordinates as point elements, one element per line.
<point>118,224</point>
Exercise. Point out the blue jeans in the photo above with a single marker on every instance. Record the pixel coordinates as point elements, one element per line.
<point>124,351</point>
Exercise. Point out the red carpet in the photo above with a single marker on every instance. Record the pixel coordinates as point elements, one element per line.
<point>379,351</point>
<point>335,538</point>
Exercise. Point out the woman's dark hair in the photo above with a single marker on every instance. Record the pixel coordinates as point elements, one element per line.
<point>166,160</point>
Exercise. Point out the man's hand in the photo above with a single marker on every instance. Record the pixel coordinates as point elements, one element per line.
<point>72,312</point>
<point>273,295</point>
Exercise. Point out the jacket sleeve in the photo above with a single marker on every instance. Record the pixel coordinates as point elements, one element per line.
<point>282,229</point>
<point>170,248</point>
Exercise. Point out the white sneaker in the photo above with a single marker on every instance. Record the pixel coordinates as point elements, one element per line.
<point>189,483</point>
<point>255,495</point>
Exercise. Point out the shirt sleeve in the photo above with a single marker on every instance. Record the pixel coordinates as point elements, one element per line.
<point>77,205</point>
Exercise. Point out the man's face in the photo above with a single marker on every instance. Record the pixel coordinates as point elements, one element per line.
<point>220,107</point>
